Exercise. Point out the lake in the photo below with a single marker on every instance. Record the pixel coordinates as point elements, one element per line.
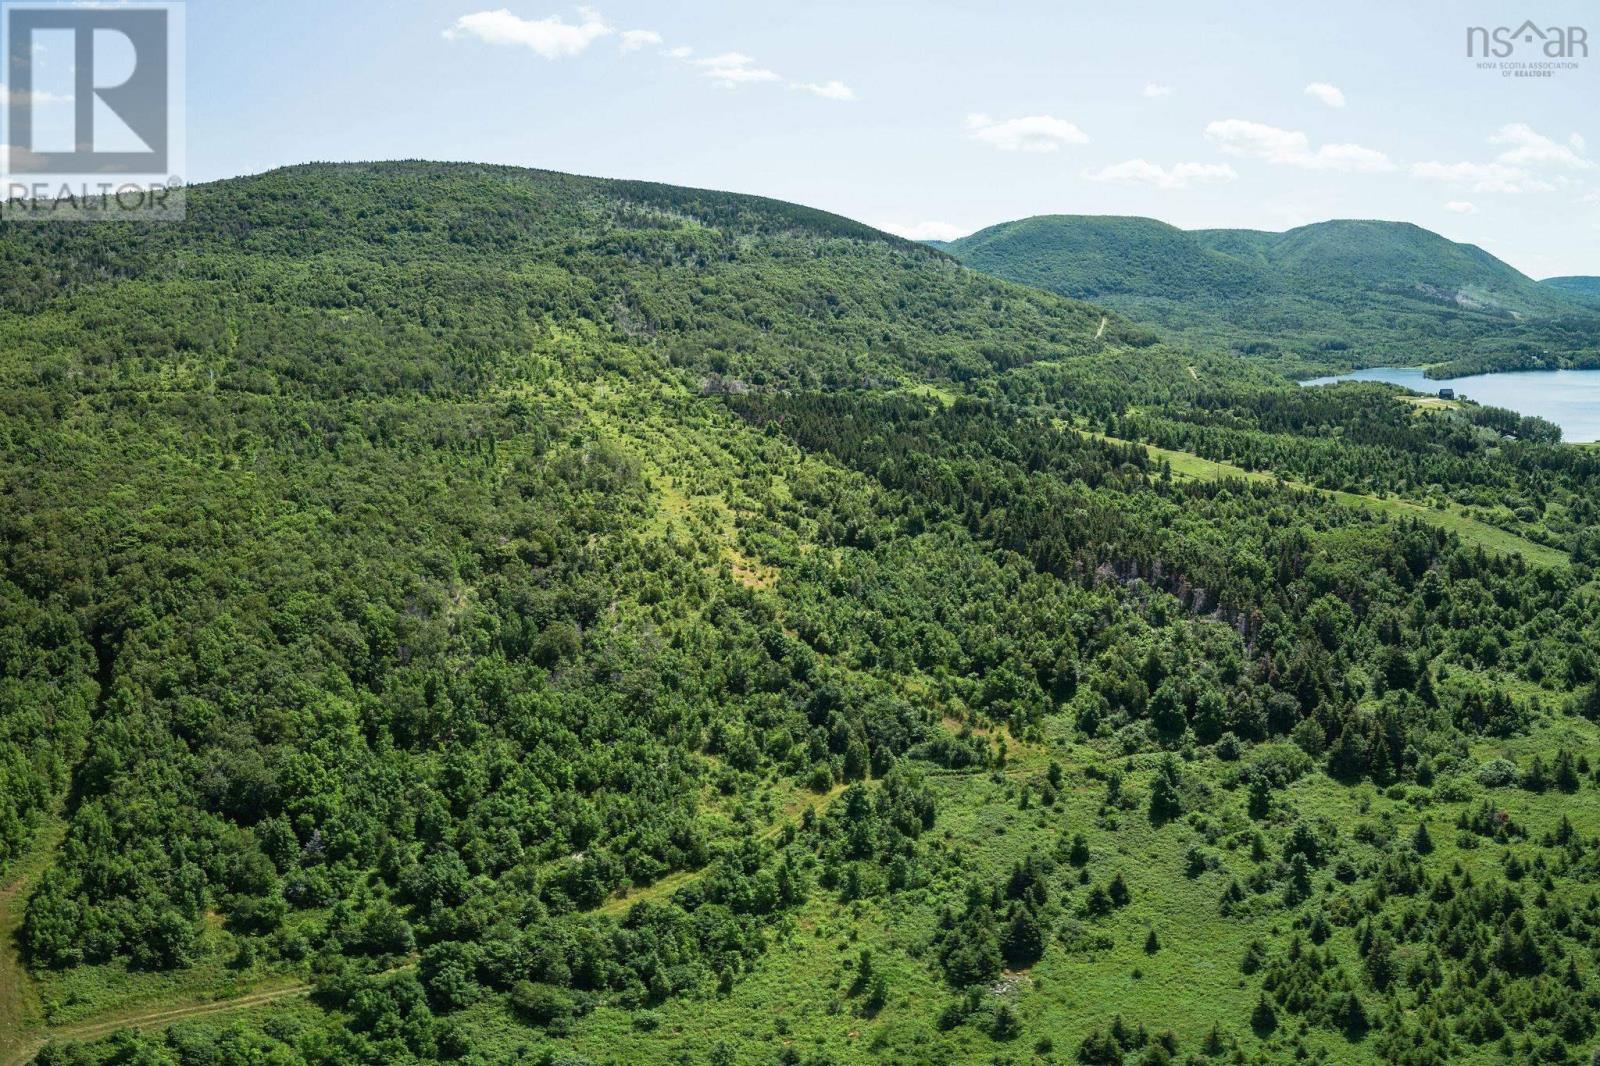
<point>1569,398</point>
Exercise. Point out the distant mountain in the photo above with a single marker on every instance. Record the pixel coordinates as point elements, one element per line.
<point>1340,293</point>
<point>1574,288</point>
<point>1105,255</point>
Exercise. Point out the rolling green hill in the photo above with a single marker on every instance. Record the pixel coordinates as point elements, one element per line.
<point>1585,289</point>
<point>454,613</point>
<point>1334,294</point>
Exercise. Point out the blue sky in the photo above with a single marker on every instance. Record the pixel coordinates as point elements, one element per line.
<point>936,118</point>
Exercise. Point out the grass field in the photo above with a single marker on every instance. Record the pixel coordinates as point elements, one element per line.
<point>1431,403</point>
<point>20,1008</point>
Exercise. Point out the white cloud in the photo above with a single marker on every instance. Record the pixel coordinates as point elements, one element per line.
<point>1530,148</point>
<point>1256,140</point>
<point>828,90</point>
<point>1351,158</point>
<point>1482,177</point>
<point>633,40</point>
<point>1152,91</point>
<point>551,37</point>
<point>925,231</point>
<point>37,97</point>
<point>1032,133</point>
<point>732,69</point>
<point>555,38</point>
<point>1529,162</point>
<point>1259,141</point>
<point>13,157</point>
<point>1328,94</point>
<point>1178,176</point>
<point>1462,207</point>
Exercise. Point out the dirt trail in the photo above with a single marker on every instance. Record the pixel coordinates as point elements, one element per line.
<point>1101,331</point>
<point>156,1017</point>
<point>20,1010</point>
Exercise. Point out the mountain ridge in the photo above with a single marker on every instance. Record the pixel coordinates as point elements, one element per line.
<point>1341,292</point>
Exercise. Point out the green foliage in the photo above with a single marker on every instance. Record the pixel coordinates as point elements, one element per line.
<point>594,620</point>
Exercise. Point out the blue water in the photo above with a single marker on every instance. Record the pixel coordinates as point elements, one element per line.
<point>1569,398</point>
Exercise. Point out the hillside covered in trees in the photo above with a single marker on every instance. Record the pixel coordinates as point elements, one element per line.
<point>459,613</point>
<point>1578,288</point>
<point>1333,295</point>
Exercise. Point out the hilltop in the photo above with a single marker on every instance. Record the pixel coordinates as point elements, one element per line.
<point>708,275</point>
<point>1586,289</point>
<point>1334,294</point>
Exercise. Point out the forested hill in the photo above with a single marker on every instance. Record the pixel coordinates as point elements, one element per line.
<point>737,285</point>
<point>1586,289</point>
<point>454,613</point>
<point>1334,294</point>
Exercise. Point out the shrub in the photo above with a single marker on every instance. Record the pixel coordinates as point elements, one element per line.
<point>547,1006</point>
<point>1497,773</point>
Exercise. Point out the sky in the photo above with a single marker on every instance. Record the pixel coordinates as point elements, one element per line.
<point>935,119</point>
